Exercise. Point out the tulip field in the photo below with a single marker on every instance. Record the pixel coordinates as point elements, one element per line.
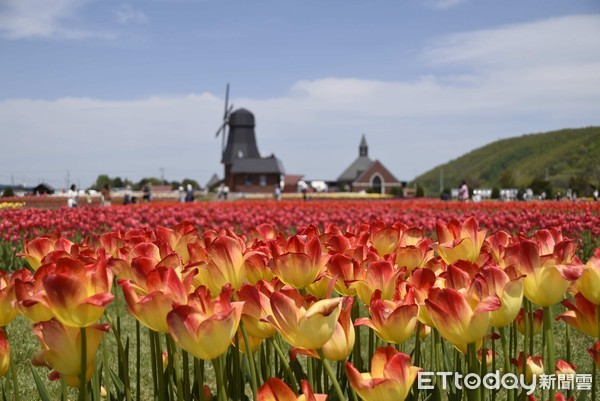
<point>386,300</point>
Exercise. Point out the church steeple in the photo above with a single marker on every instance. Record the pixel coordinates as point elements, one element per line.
<point>363,149</point>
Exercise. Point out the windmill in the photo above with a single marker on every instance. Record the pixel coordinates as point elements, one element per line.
<point>226,113</point>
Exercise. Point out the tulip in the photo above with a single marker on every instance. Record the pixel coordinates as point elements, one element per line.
<point>564,367</point>
<point>345,269</point>
<point>589,282</point>
<point>393,321</point>
<point>178,238</point>
<point>225,265</point>
<point>458,241</point>
<point>205,327</point>
<point>383,238</point>
<point>37,249</point>
<point>381,275</point>
<point>303,327</point>
<point>257,307</point>
<point>414,256</point>
<point>7,299</point>
<point>457,320</point>
<point>534,366</point>
<point>489,356</point>
<point>302,264</point>
<point>390,379</point>
<point>538,319</point>
<point>77,294</point>
<point>4,354</point>
<point>29,294</point>
<point>275,389</point>
<point>421,281</point>
<point>61,349</point>
<point>151,304</point>
<point>547,275</point>
<point>583,315</point>
<point>508,287</point>
<point>496,245</point>
<point>594,352</point>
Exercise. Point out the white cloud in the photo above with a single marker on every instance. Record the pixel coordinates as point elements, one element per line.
<point>504,87</point>
<point>44,18</point>
<point>126,13</point>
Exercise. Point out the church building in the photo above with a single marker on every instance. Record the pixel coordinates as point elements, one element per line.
<point>364,174</point>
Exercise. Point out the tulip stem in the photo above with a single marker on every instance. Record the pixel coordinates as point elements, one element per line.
<point>472,394</point>
<point>82,373</point>
<point>13,370</point>
<point>199,367</point>
<point>331,375</point>
<point>286,365</point>
<point>251,361</point>
<point>138,358</point>
<point>506,359</point>
<point>221,391</point>
<point>549,339</point>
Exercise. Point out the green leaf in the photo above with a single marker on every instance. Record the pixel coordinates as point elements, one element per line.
<point>41,387</point>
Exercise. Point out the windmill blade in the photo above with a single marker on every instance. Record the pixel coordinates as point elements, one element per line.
<point>221,129</point>
<point>226,101</point>
<point>229,111</point>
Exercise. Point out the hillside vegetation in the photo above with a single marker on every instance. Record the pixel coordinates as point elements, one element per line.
<point>568,158</point>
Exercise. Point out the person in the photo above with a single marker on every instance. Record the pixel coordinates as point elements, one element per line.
<point>106,198</point>
<point>189,195</point>
<point>277,193</point>
<point>72,196</point>
<point>595,195</point>
<point>225,192</point>
<point>147,193</point>
<point>463,192</point>
<point>181,194</point>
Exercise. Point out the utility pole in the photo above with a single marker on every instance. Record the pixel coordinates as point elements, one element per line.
<point>162,175</point>
<point>441,179</point>
<point>68,179</point>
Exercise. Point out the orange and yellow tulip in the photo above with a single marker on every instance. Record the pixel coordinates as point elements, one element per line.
<point>533,367</point>
<point>583,315</point>
<point>459,321</point>
<point>589,282</point>
<point>390,379</point>
<point>458,241</point>
<point>7,299</point>
<point>381,275</point>
<point>4,354</point>
<point>394,320</point>
<point>257,307</point>
<point>77,294</point>
<point>205,327</point>
<point>303,262</point>
<point>594,352</point>
<point>538,319</point>
<point>37,249</point>
<point>275,389</point>
<point>152,303</point>
<point>303,327</point>
<point>61,349</point>
<point>225,264</point>
<point>547,275</point>
<point>508,286</point>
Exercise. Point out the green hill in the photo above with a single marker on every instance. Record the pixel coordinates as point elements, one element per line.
<point>568,158</point>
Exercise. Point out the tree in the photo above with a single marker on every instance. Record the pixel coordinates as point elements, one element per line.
<point>8,192</point>
<point>507,179</point>
<point>187,181</point>
<point>495,193</point>
<point>539,186</point>
<point>101,181</point>
<point>420,191</point>
<point>117,182</point>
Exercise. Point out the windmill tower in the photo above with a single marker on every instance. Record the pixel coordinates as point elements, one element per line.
<point>243,165</point>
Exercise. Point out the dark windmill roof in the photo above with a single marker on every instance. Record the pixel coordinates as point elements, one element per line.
<point>257,165</point>
<point>241,140</point>
<point>241,118</point>
<point>355,169</point>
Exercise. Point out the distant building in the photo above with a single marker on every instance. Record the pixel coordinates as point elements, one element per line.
<point>245,169</point>
<point>213,183</point>
<point>364,174</point>
<point>43,189</point>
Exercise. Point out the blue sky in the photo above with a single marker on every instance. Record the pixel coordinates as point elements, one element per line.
<point>127,88</point>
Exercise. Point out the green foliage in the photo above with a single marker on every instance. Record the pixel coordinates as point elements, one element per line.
<point>495,193</point>
<point>420,191</point>
<point>539,185</point>
<point>147,180</point>
<point>515,162</point>
<point>8,192</point>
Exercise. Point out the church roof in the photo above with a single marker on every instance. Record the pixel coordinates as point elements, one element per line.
<point>259,165</point>
<point>355,169</point>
